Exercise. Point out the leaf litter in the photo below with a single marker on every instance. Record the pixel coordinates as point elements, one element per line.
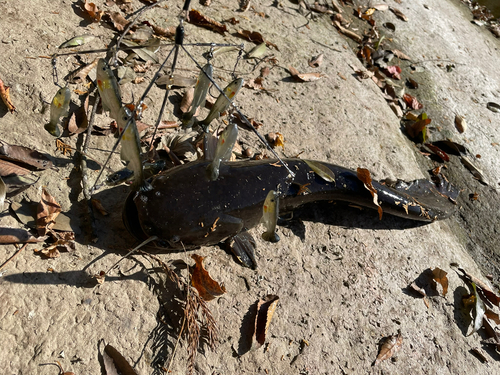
<point>364,176</point>
<point>5,95</point>
<point>265,311</point>
<point>388,347</point>
<point>207,287</point>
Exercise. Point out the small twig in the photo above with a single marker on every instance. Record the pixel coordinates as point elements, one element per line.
<point>83,167</point>
<point>13,256</point>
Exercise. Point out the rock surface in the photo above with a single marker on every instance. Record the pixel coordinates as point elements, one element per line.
<point>341,274</point>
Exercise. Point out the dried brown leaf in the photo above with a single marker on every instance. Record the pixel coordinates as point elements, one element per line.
<point>347,32</point>
<point>119,364</point>
<point>493,316</point>
<point>47,212</point>
<point>232,21</point>
<point>92,11</point>
<point>460,124</point>
<point>78,122</point>
<point>96,203</point>
<point>400,55</point>
<point>476,172</point>
<point>381,7</point>
<point>264,72</point>
<point>316,61</point>
<point>265,311</point>
<point>435,149</point>
<point>243,124</point>
<point>418,289</point>
<point>483,290</point>
<point>17,235</point>
<point>388,347</point>
<point>440,276</point>
<point>10,169</point>
<point>50,252</point>
<point>168,32</point>
<point>304,77</point>
<point>24,155</point>
<point>399,14</point>
<point>198,19</point>
<point>207,287</point>
<point>5,95</point>
<point>81,74</point>
<point>364,176</point>
<point>412,102</point>
<point>254,83</point>
<point>187,100</point>
<point>256,37</point>
<point>119,22</point>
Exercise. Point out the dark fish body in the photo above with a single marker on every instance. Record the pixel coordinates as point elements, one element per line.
<point>185,208</point>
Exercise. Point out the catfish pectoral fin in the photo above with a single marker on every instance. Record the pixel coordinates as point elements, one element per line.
<point>243,247</point>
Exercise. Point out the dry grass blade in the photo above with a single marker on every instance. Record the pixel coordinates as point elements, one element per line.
<point>197,316</point>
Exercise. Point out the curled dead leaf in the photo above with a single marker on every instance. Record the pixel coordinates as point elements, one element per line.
<point>96,203</point>
<point>394,71</point>
<point>484,291</point>
<point>207,287</point>
<point>5,95</point>
<point>168,32</point>
<point>347,32</point>
<point>198,19</point>
<point>412,101</point>
<point>265,311</point>
<point>276,139</point>
<point>399,14</point>
<point>17,235</point>
<point>187,99</point>
<point>460,124</point>
<point>316,61</point>
<point>435,149</point>
<point>24,155</point>
<point>304,77</point>
<point>115,362</point>
<point>476,172</point>
<point>10,169</point>
<point>119,22</point>
<point>388,347</point>
<point>400,55</point>
<point>364,176</point>
<point>92,10</point>
<point>47,212</point>
<point>440,276</point>
<point>254,36</point>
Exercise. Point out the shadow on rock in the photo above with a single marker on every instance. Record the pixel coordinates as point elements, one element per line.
<point>460,313</point>
<point>246,331</point>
